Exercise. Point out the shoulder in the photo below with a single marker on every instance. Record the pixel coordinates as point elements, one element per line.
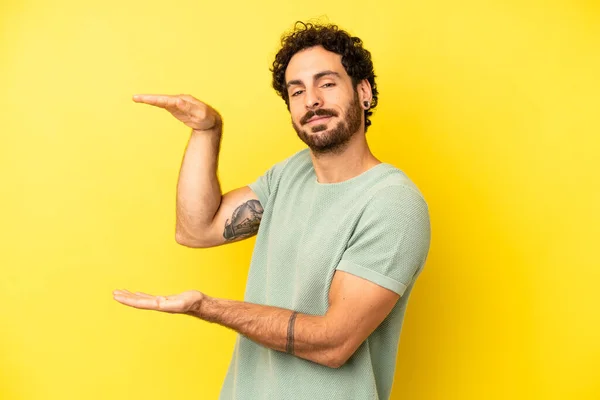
<point>290,168</point>
<point>296,160</point>
<point>299,159</point>
<point>394,189</point>
<point>275,171</point>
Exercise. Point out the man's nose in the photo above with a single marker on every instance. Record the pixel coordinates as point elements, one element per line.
<point>313,100</point>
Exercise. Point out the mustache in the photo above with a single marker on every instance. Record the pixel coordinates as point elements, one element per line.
<point>321,112</point>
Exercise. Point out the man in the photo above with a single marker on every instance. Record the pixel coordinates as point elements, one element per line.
<point>341,238</point>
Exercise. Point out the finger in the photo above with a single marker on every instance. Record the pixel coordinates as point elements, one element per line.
<point>196,107</point>
<point>158,100</point>
<point>197,111</point>
<point>180,105</point>
<point>121,291</point>
<point>142,294</point>
<point>144,303</point>
<point>189,98</point>
<point>124,292</point>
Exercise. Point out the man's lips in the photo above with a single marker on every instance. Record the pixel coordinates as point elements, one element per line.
<point>318,118</point>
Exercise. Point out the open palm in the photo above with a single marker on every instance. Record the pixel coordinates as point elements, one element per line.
<point>177,303</point>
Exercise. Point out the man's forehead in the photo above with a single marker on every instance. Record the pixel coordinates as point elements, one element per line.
<point>309,62</point>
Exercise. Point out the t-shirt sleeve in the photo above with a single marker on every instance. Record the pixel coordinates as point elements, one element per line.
<point>264,185</point>
<point>390,243</point>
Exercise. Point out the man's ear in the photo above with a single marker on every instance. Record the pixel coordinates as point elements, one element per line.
<point>364,93</point>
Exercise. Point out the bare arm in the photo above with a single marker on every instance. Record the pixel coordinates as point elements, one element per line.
<point>205,217</point>
<point>198,188</point>
<point>356,308</point>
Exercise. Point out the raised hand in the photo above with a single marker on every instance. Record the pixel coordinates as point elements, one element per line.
<point>197,115</point>
<point>175,304</point>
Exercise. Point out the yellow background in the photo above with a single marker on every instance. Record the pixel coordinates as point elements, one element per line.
<point>490,107</point>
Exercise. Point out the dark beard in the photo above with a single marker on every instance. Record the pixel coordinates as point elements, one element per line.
<point>336,140</point>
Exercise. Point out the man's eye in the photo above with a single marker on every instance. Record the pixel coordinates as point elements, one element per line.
<point>328,84</point>
<point>297,92</point>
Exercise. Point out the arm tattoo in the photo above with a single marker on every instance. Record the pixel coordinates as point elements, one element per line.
<point>289,348</point>
<point>244,221</point>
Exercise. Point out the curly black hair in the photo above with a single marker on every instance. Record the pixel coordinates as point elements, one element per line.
<point>355,59</point>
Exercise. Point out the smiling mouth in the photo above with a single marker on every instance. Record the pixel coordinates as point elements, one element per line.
<point>319,119</point>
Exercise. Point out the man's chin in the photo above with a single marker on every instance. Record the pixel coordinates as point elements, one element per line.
<point>318,129</point>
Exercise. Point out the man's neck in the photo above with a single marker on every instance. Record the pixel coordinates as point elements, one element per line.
<point>355,159</point>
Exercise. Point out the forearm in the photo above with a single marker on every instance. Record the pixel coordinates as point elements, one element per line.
<point>313,337</point>
<point>198,189</point>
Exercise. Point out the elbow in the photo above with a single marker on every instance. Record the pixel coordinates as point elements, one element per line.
<point>335,357</point>
<point>187,241</point>
<point>335,350</point>
<point>334,364</point>
<point>335,361</point>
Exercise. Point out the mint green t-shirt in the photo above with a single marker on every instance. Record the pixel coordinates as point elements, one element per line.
<point>374,226</point>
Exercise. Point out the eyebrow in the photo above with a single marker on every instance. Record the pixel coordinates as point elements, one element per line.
<point>315,78</point>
